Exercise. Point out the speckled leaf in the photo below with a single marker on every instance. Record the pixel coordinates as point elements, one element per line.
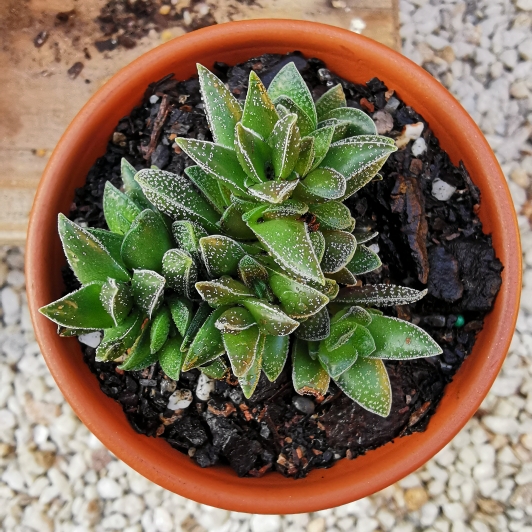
<point>368,384</point>
<point>241,348</point>
<point>364,236</point>
<point>232,224</point>
<point>140,356</point>
<point>297,300</point>
<point>343,276</point>
<point>289,208</point>
<point>234,320</point>
<point>270,318</point>
<point>209,185</point>
<point>340,247</point>
<point>221,255</point>
<point>285,142</point>
<point>332,215</point>
<point>289,244</point>
<point>253,153</point>
<point>359,122</point>
<point>363,261</point>
<point>249,381</point>
<point>197,321</point>
<point>116,299</point>
<point>181,272</point>
<point>181,311</point>
<point>255,277</point>
<point>339,128</point>
<point>341,332</point>
<point>273,191</point>
<point>112,242</point>
<point>67,332</point>
<point>148,290</point>
<point>216,369</point>
<point>146,242</point>
<point>207,344</point>
<point>306,157</point>
<point>400,340</point>
<point>131,187</point>
<point>288,82</point>
<point>322,141</point>
<point>356,314</point>
<point>316,328</point>
<point>358,159</point>
<point>223,291</point>
<point>187,236</point>
<point>176,196</point>
<point>332,99</point>
<point>118,339</point>
<point>318,243</point>
<point>340,359</point>
<point>286,106</point>
<point>89,259</point>
<point>259,112</point>
<point>274,355</point>
<point>222,109</point>
<point>160,329</point>
<point>81,309</point>
<point>322,184</point>
<point>383,295</point>
<point>119,210</point>
<point>171,357</point>
<point>308,375</point>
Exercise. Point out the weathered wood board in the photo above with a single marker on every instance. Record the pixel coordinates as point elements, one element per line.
<point>38,99</point>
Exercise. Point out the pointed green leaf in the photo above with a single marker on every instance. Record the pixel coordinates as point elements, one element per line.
<point>160,329</point>
<point>119,210</point>
<point>340,247</point>
<point>209,185</point>
<point>270,318</point>
<point>363,261</point>
<point>215,370</point>
<point>117,340</point>
<point>241,348</point>
<point>288,82</point>
<point>322,141</point>
<point>332,99</point>
<point>286,106</point>
<point>399,340</point>
<point>322,184</point>
<point>116,299</point>
<point>316,328</point>
<point>339,128</point>
<point>306,157</point>
<point>222,109</point>
<point>112,242</point>
<point>146,242</point>
<point>288,242</point>
<point>368,384</point>
<point>89,259</point>
<point>197,321</point>
<point>249,381</point>
<point>289,208</point>
<point>171,357</point>
<point>253,153</point>
<point>308,375</point>
<point>364,236</point>
<point>273,191</point>
<point>318,243</point>
<point>255,277</point>
<point>180,272</point>
<point>332,215</point>
<point>207,344</point>
<point>383,295</point>
<point>338,360</point>
<point>187,235</point>
<point>341,332</point>
<point>81,309</point>
<point>259,112</point>
<point>359,122</point>
<point>140,356</point>
<point>234,320</point>
<point>221,255</point>
<point>274,355</point>
<point>233,225</point>
<point>148,290</point>
<point>176,196</point>
<point>285,142</point>
<point>131,187</point>
<point>343,276</point>
<point>181,311</point>
<point>223,291</point>
<point>355,314</point>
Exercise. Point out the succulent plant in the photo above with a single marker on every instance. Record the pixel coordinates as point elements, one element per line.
<point>252,254</point>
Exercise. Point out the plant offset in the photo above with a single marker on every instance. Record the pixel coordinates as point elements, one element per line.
<point>252,257</point>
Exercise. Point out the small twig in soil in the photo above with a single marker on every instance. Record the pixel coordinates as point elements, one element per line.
<point>157,127</point>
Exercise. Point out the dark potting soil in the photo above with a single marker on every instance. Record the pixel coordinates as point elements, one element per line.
<point>423,242</point>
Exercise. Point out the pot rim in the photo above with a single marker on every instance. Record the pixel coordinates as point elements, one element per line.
<point>87,136</point>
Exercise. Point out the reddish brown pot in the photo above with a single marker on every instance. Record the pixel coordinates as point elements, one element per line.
<point>357,59</point>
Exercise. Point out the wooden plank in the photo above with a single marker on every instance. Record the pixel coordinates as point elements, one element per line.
<point>38,99</point>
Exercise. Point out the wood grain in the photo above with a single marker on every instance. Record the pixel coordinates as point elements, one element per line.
<point>38,99</point>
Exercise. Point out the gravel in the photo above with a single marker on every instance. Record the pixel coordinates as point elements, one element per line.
<point>56,476</point>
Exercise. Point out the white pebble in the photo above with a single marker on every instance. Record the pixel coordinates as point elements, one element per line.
<point>162,520</point>
<point>181,399</point>
<point>410,132</point>
<point>91,339</point>
<point>265,523</point>
<point>454,511</point>
<point>317,525</point>
<point>204,387</point>
<point>525,5</point>
<point>154,98</point>
<point>10,301</point>
<point>109,488</point>
<point>442,190</point>
<point>7,420</point>
<point>114,522</point>
<point>501,425</point>
<point>419,147</point>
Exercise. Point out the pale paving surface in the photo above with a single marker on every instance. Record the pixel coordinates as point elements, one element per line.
<point>55,476</point>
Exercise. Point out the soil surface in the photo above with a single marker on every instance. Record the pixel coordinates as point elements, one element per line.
<point>423,242</point>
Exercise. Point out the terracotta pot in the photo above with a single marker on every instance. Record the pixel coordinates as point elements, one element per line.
<point>357,59</point>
